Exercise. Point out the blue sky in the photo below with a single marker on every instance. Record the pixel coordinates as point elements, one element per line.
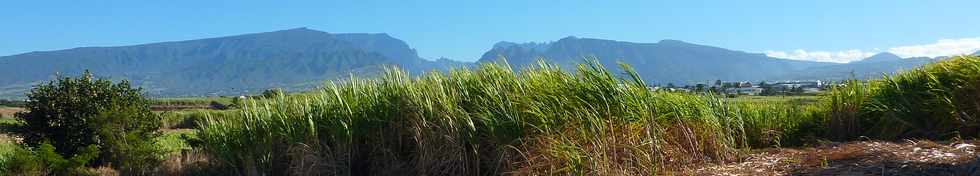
<point>827,30</point>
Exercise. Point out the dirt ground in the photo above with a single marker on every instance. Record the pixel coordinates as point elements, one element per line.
<point>857,158</point>
<point>7,112</point>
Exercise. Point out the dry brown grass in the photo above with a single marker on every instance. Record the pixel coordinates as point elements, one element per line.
<point>622,153</point>
<point>189,162</point>
<point>688,144</point>
<point>103,171</point>
<point>857,158</point>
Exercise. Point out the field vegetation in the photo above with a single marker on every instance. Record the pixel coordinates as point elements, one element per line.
<point>542,120</point>
<point>493,120</point>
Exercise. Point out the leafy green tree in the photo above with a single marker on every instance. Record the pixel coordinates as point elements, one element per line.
<point>74,113</point>
<point>270,93</point>
<point>218,105</point>
<point>797,91</point>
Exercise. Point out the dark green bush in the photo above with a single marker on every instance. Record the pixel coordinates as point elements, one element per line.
<point>74,113</point>
<point>235,102</point>
<point>21,161</point>
<point>189,119</point>
<point>271,93</point>
<point>217,105</point>
<point>43,160</point>
<point>67,166</point>
<point>131,151</point>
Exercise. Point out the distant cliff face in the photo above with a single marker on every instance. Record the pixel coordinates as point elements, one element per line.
<point>667,61</point>
<point>301,58</point>
<point>672,61</point>
<point>295,58</point>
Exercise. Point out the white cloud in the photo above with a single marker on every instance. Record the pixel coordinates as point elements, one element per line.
<point>943,47</point>
<point>822,56</point>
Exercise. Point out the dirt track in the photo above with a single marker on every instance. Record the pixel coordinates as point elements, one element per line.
<point>857,158</point>
<point>6,112</point>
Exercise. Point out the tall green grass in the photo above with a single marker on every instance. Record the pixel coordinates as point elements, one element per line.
<point>493,120</point>
<point>938,101</point>
<point>190,119</point>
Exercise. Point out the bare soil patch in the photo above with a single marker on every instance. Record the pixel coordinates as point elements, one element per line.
<point>8,112</point>
<point>856,158</point>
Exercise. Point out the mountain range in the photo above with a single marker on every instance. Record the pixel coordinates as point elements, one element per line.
<point>301,58</point>
<point>678,62</point>
<point>667,61</point>
<point>293,59</point>
<point>872,67</point>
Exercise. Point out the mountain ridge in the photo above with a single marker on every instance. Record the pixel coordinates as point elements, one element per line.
<point>228,65</point>
<point>301,58</point>
<point>684,62</point>
<point>881,57</point>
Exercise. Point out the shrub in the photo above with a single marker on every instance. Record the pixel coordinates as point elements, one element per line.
<point>44,160</point>
<point>217,105</point>
<point>128,148</point>
<point>272,93</point>
<point>67,166</point>
<point>236,102</point>
<point>16,159</point>
<point>74,113</point>
<point>189,119</point>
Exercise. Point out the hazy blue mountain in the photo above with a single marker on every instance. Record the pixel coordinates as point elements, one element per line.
<point>976,53</point>
<point>293,59</point>
<point>667,61</point>
<point>880,57</point>
<point>869,68</point>
<point>672,61</point>
<point>442,64</point>
<point>302,58</point>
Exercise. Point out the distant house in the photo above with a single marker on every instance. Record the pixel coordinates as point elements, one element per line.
<point>679,90</point>
<point>811,90</point>
<point>744,91</point>
<point>799,84</point>
<point>744,84</point>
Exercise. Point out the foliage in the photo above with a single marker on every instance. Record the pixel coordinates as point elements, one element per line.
<point>191,101</point>
<point>272,93</point>
<point>62,166</point>
<point>16,159</point>
<point>44,160</point>
<point>74,113</point>
<point>126,140</point>
<point>236,102</point>
<point>538,121</point>
<point>937,101</point>
<point>843,105</point>
<point>217,105</point>
<point>189,119</point>
<point>492,120</point>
